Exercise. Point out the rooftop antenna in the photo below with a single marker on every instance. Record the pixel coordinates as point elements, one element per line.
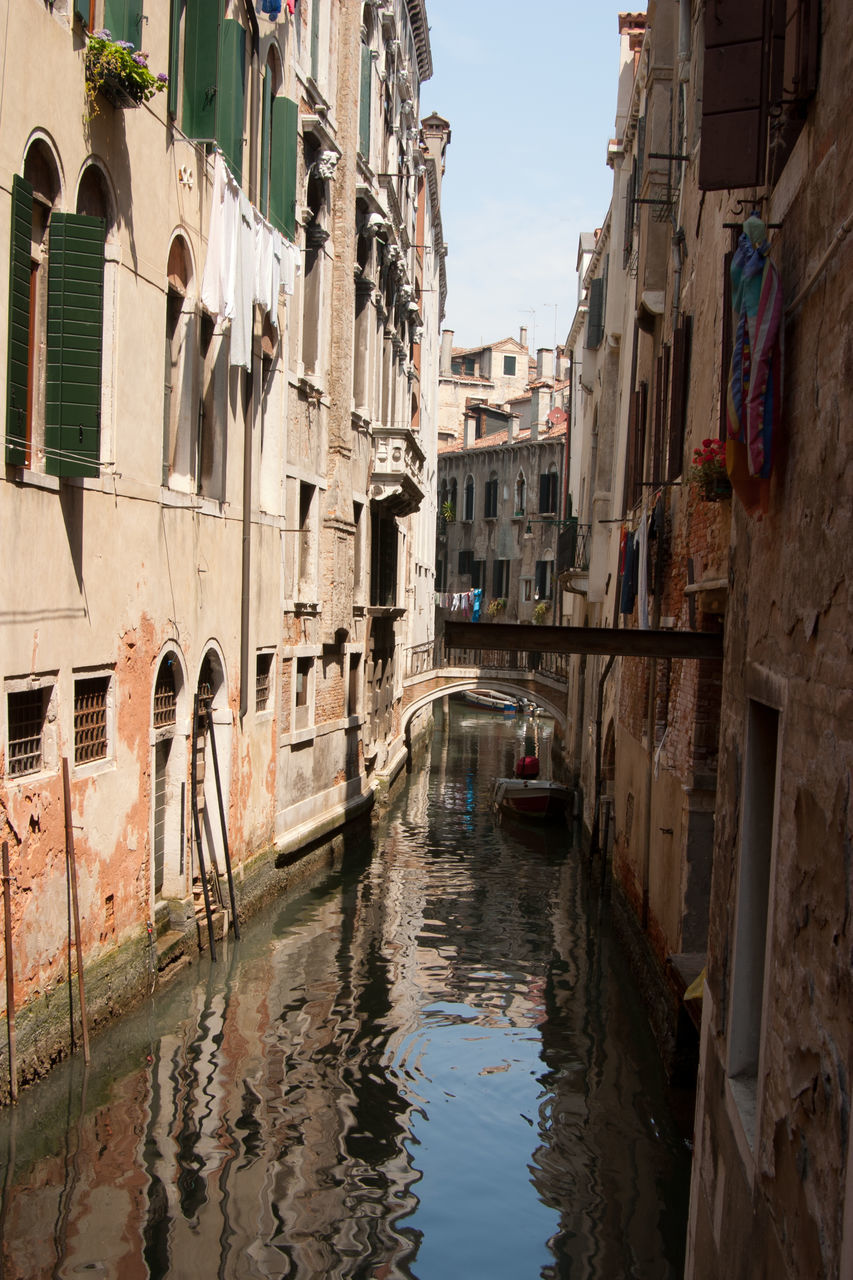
<point>555,305</point>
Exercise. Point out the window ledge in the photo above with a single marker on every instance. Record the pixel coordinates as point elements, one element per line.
<point>297,736</point>
<point>385,611</point>
<point>27,479</point>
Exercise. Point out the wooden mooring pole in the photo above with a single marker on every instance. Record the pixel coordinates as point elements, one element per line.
<point>72,881</point>
<point>10,974</point>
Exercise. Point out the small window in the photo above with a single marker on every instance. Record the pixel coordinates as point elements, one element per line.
<point>354,684</point>
<point>543,579</point>
<point>478,573</point>
<point>490,507</point>
<point>466,560</point>
<point>26,712</point>
<point>520,494</point>
<point>303,677</point>
<point>263,681</point>
<point>90,719</point>
<point>527,589</point>
<point>468,365</point>
<point>509,366</point>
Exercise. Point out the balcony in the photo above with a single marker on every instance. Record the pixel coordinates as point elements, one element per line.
<point>573,556</point>
<point>397,482</point>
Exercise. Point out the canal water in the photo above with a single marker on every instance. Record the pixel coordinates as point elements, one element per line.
<point>434,1064</point>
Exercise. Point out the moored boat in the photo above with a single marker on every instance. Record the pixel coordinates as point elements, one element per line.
<point>487,700</point>
<point>526,795</point>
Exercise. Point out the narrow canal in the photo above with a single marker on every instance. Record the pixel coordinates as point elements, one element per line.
<point>433,1064</point>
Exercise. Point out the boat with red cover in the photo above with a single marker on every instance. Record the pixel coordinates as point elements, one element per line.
<point>526,795</point>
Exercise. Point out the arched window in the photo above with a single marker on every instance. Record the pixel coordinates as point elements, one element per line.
<point>490,504</point>
<point>34,199</point>
<point>180,417</point>
<point>279,132</point>
<point>520,494</point>
<point>468,507</point>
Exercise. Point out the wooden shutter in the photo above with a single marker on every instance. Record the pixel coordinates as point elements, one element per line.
<point>85,11</point>
<point>661,398</point>
<point>201,54</point>
<point>364,103</point>
<point>315,40</point>
<point>231,95</point>
<point>283,149</point>
<point>735,94</point>
<point>123,20</point>
<point>266,129</point>
<point>595,316</point>
<point>174,57</point>
<point>75,310</point>
<point>18,346</point>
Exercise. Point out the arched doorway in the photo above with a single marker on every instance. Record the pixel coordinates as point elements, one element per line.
<point>211,779</point>
<point>169,774</point>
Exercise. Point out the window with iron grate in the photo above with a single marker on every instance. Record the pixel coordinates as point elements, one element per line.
<point>90,719</point>
<point>26,727</point>
<point>263,681</point>
<point>165,697</point>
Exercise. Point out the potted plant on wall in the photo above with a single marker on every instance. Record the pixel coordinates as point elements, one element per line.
<point>540,612</point>
<point>708,475</point>
<point>496,607</point>
<point>448,514</point>
<point>118,71</point>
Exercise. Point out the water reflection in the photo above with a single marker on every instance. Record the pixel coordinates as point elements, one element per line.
<point>432,1064</point>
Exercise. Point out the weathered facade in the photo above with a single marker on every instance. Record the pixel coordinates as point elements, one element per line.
<point>721,790</point>
<point>493,374</point>
<point>501,493</point>
<point>221,413</point>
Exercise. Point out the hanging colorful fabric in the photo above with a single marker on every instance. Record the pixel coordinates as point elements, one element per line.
<point>754,396</point>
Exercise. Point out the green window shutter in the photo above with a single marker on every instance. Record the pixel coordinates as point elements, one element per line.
<point>75,319</point>
<point>231,94</point>
<point>595,316</point>
<point>266,126</point>
<point>285,122</point>
<point>364,103</point>
<point>18,359</point>
<point>174,54</point>
<point>123,20</point>
<point>201,45</point>
<point>315,40</point>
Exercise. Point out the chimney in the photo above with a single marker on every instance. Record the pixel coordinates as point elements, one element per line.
<point>511,427</point>
<point>446,352</point>
<point>522,335</point>
<point>545,364</point>
<point>540,407</point>
<point>468,434</point>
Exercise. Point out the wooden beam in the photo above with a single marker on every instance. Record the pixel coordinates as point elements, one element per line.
<point>628,643</point>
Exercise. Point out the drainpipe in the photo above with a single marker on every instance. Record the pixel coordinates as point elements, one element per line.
<point>569,409</point>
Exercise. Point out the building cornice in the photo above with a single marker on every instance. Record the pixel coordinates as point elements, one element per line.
<point>420,30</point>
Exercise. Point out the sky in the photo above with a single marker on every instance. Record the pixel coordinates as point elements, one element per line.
<point>529,90</point>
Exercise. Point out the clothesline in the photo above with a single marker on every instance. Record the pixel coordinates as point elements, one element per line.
<point>248,261</point>
<point>467,602</point>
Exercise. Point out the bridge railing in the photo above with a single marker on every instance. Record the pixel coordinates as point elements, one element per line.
<point>436,657</point>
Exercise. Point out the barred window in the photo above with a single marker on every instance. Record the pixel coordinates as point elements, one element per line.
<point>90,719</point>
<point>165,696</point>
<point>263,681</point>
<point>26,725</point>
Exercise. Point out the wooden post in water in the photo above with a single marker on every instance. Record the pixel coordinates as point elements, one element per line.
<point>72,880</point>
<point>10,974</point>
